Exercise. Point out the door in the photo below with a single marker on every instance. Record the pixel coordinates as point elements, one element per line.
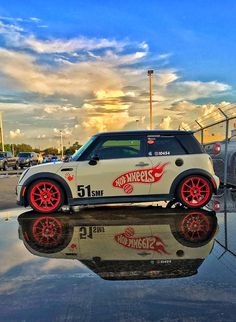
<point>122,168</point>
<point>163,151</point>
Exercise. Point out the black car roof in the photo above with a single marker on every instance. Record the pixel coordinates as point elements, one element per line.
<point>146,132</point>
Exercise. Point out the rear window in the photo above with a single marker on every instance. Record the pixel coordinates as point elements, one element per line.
<point>190,144</point>
<point>24,155</point>
<point>164,146</point>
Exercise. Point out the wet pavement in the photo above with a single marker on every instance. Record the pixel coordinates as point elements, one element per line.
<point>120,264</point>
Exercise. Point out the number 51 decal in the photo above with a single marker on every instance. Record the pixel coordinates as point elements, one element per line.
<point>86,191</point>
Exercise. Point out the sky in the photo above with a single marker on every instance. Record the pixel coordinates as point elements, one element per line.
<point>81,66</point>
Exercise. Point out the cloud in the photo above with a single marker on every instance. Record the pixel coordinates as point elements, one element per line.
<point>166,123</point>
<point>86,85</point>
<point>41,136</point>
<point>17,37</point>
<point>66,132</point>
<point>16,134</point>
<point>193,90</point>
<point>183,106</point>
<point>72,45</point>
<point>165,77</point>
<point>35,19</point>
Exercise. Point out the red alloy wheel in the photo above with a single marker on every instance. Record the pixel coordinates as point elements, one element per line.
<point>45,196</point>
<point>47,231</point>
<point>195,227</point>
<point>195,191</point>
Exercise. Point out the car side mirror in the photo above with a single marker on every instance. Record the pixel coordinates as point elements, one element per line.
<point>94,160</point>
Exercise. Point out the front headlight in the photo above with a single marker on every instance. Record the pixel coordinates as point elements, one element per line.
<point>23,174</point>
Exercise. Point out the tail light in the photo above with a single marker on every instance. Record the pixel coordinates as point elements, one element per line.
<point>216,205</point>
<point>216,148</point>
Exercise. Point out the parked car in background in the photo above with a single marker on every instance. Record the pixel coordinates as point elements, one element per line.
<point>217,152</point>
<point>52,158</point>
<point>27,159</point>
<point>7,160</point>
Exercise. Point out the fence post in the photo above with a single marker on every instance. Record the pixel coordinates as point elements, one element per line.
<point>201,129</point>
<point>226,146</point>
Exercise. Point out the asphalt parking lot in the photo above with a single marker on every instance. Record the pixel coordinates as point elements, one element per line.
<point>8,191</point>
<point>100,264</point>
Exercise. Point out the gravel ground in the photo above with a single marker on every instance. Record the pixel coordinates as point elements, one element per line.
<point>8,192</point>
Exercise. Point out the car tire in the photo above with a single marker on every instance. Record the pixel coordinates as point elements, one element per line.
<point>16,167</point>
<point>196,228</point>
<point>5,167</point>
<point>45,196</point>
<point>194,191</point>
<point>47,234</point>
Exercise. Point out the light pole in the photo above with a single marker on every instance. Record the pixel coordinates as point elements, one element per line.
<point>150,73</point>
<point>62,152</point>
<point>1,130</point>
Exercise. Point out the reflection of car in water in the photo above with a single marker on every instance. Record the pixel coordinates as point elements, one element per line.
<point>217,152</point>
<point>224,200</point>
<point>124,243</point>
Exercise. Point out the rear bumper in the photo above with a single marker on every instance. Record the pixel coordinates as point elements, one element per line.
<point>215,182</point>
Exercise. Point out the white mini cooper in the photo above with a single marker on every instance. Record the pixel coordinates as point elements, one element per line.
<point>124,167</point>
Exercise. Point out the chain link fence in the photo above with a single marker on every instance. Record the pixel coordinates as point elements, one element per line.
<point>216,131</point>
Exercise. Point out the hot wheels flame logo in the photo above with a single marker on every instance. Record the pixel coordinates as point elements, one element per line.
<point>149,175</point>
<point>151,243</point>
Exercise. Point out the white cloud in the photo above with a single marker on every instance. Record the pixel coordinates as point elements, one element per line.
<point>16,134</point>
<point>68,46</point>
<point>35,19</point>
<point>166,123</point>
<point>66,132</point>
<point>41,136</point>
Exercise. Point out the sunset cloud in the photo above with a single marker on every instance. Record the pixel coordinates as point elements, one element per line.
<point>16,134</point>
<point>83,85</point>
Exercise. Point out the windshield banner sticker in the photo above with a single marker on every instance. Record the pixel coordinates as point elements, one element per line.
<point>149,175</point>
<point>151,243</point>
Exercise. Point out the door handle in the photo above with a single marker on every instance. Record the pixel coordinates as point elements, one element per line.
<point>141,164</point>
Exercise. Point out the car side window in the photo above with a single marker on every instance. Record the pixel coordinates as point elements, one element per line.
<point>164,146</point>
<point>118,148</point>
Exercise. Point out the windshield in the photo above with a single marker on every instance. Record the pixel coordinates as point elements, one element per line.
<point>24,155</point>
<point>78,153</point>
<point>2,155</point>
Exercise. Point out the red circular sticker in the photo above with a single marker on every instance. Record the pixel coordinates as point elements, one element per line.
<point>128,188</point>
<point>150,141</point>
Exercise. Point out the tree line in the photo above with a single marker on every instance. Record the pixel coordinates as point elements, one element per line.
<point>22,147</point>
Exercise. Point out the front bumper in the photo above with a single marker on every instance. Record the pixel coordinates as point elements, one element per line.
<point>20,198</point>
<point>23,162</point>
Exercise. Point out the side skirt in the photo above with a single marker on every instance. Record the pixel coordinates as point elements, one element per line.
<point>110,200</point>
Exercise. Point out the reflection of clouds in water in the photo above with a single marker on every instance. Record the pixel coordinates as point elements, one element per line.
<point>18,282</point>
<point>51,264</point>
<point>18,261</point>
<point>9,213</point>
<point>14,255</point>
